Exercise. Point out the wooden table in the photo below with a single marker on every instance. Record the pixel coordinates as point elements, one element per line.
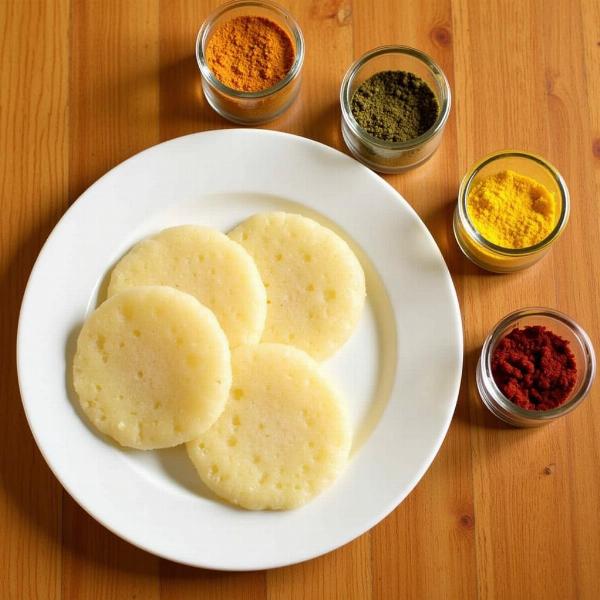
<point>502,513</point>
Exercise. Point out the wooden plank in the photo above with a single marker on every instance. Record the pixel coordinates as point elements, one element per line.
<point>344,574</point>
<point>573,101</point>
<point>113,85</point>
<point>513,76</point>
<point>98,565</point>
<point>183,108</point>
<point>115,104</point>
<point>179,582</point>
<point>437,519</point>
<point>33,187</point>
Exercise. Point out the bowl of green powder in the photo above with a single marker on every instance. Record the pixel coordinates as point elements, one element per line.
<point>395,102</point>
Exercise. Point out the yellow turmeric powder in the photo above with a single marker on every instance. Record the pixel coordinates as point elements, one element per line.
<point>249,54</point>
<point>512,210</point>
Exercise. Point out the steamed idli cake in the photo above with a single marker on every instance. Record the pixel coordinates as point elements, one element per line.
<point>152,368</point>
<point>315,284</point>
<point>207,264</point>
<point>283,436</point>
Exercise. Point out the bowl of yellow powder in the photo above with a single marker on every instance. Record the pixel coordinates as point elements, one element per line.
<point>512,206</point>
<point>250,55</point>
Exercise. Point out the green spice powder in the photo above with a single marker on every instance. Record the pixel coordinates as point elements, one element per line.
<point>395,106</point>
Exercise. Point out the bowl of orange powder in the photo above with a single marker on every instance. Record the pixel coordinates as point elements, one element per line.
<point>250,55</point>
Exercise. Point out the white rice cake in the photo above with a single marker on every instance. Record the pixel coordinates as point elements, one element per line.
<point>283,437</point>
<point>315,284</point>
<point>152,368</point>
<point>205,263</point>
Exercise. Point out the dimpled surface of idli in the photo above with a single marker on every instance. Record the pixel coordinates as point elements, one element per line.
<point>283,436</point>
<point>152,368</point>
<point>315,284</point>
<point>205,263</point>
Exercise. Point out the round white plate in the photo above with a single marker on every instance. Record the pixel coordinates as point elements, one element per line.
<point>400,371</point>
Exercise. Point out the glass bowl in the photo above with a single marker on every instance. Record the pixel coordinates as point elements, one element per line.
<point>251,108</point>
<point>561,325</point>
<point>393,157</point>
<point>495,258</point>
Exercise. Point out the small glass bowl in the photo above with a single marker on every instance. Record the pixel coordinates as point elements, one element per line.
<point>393,157</point>
<point>251,108</point>
<point>561,325</point>
<point>496,258</point>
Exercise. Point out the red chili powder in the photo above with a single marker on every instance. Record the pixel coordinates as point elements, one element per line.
<point>534,368</point>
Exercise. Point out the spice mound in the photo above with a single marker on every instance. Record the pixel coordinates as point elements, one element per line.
<point>534,368</point>
<point>512,210</point>
<point>249,54</point>
<point>395,106</point>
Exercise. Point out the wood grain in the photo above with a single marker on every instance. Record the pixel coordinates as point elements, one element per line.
<point>502,513</point>
<point>437,519</point>
<point>34,126</point>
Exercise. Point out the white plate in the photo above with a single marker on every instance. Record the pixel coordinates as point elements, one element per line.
<point>400,371</point>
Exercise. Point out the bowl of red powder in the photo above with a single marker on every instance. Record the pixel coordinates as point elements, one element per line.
<point>536,365</point>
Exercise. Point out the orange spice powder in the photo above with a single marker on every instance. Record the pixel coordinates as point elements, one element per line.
<point>249,54</point>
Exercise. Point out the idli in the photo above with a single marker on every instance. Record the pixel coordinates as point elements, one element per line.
<point>152,367</point>
<point>283,436</point>
<point>315,284</point>
<point>207,264</point>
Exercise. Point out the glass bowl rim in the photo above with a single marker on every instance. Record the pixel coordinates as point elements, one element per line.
<point>206,27</point>
<point>578,332</point>
<point>468,180</point>
<point>437,73</point>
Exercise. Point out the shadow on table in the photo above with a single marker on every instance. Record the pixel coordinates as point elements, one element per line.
<point>183,107</point>
<point>325,126</point>
<point>29,486</point>
<point>470,408</point>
